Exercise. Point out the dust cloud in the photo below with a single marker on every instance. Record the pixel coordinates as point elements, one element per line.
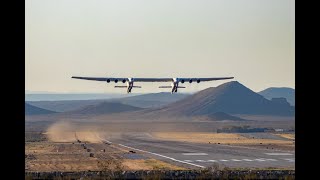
<point>69,132</point>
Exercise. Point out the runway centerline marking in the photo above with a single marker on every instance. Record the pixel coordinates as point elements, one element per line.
<point>244,147</point>
<point>235,160</point>
<point>279,154</point>
<point>173,159</point>
<point>290,159</point>
<point>238,160</point>
<point>247,160</point>
<point>195,154</point>
<point>271,159</point>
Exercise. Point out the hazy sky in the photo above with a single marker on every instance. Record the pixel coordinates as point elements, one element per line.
<point>252,40</point>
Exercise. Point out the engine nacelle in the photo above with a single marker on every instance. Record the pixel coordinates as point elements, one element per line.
<point>190,81</point>
<point>116,80</point>
<point>182,80</point>
<point>123,81</point>
<point>108,80</point>
<point>198,81</point>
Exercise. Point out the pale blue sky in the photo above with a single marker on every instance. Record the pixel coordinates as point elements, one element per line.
<point>252,40</point>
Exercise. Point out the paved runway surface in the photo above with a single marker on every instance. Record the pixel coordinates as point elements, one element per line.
<point>196,155</point>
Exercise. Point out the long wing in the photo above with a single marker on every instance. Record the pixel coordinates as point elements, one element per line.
<point>150,79</point>
<point>207,79</point>
<point>90,78</point>
<point>135,79</point>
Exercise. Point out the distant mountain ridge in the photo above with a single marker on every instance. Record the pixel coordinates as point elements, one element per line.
<point>104,108</point>
<point>151,100</point>
<point>231,97</point>
<point>64,106</point>
<point>142,101</point>
<point>228,101</point>
<point>33,110</point>
<point>277,92</point>
<point>72,96</point>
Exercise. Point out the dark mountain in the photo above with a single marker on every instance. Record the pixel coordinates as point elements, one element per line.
<point>64,106</point>
<point>231,97</point>
<point>274,92</point>
<point>104,108</point>
<point>142,101</point>
<point>72,96</point>
<point>32,110</point>
<point>151,100</point>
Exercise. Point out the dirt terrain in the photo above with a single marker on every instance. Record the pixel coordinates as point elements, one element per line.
<point>66,146</point>
<point>48,154</point>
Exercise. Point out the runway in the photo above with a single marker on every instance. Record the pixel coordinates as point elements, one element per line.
<point>196,155</point>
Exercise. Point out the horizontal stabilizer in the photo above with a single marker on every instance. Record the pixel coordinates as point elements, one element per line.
<point>181,87</point>
<point>165,87</point>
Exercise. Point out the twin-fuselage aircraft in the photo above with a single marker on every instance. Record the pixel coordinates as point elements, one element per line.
<point>174,81</point>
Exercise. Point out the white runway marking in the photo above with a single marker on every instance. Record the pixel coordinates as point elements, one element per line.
<point>247,160</point>
<point>259,159</point>
<point>290,159</point>
<point>156,154</point>
<point>195,154</point>
<point>278,154</point>
<point>271,159</point>
<point>238,160</point>
<point>162,156</point>
<point>244,147</point>
<point>235,160</point>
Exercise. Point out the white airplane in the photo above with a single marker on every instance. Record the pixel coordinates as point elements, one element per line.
<point>129,86</point>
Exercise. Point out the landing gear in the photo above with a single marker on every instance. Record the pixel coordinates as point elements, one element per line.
<point>174,87</point>
<point>130,86</point>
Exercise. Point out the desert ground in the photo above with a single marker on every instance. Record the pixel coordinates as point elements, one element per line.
<point>66,146</point>
<point>46,155</point>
